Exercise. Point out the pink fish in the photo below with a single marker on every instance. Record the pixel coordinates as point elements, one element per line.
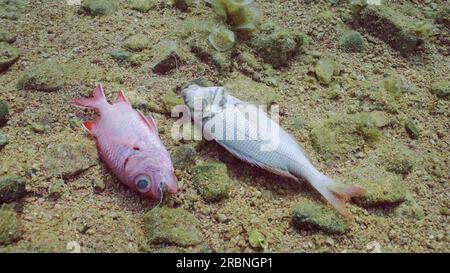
<point>128,142</point>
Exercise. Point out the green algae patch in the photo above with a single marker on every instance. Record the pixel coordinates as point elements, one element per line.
<point>257,239</point>
<point>324,70</point>
<point>169,101</point>
<point>12,188</point>
<point>397,158</point>
<point>275,44</point>
<point>68,155</point>
<point>382,188</point>
<point>386,95</point>
<point>410,209</point>
<point>47,77</point>
<point>183,157</point>
<point>344,133</point>
<point>309,215</point>
<point>137,42</point>
<point>441,89</point>
<point>412,129</point>
<point>9,225</point>
<point>4,140</point>
<point>4,113</point>
<point>100,7</point>
<point>12,10</point>
<point>144,5</point>
<point>211,181</point>
<point>403,33</point>
<point>222,39</point>
<point>171,226</point>
<point>8,56</point>
<point>248,90</point>
<point>352,41</point>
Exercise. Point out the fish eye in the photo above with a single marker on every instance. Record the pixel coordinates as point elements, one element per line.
<point>143,183</point>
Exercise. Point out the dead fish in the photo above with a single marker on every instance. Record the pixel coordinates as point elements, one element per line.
<point>262,142</point>
<point>128,142</point>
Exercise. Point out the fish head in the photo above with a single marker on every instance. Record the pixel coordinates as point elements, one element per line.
<point>203,99</point>
<point>151,175</point>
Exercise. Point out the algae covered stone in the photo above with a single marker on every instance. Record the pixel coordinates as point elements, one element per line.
<point>315,216</point>
<point>324,70</point>
<point>167,55</point>
<point>211,180</point>
<point>8,56</point>
<point>257,239</point>
<point>100,7</point>
<point>137,42</point>
<point>12,188</point>
<point>410,209</point>
<point>276,45</point>
<point>144,5</point>
<point>344,133</point>
<point>411,129</point>
<point>242,14</point>
<point>222,39</point>
<point>12,9</point>
<point>397,158</point>
<point>3,140</point>
<point>441,89</point>
<point>382,188</point>
<point>4,113</point>
<point>401,32</point>
<point>47,76</point>
<point>9,225</point>
<point>183,157</point>
<point>68,155</point>
<point>352,41</point>
<point>171,226</point>
<point>169,101</point>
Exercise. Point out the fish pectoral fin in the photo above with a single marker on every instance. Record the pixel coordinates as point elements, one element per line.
<point>89,126</point>
<point>125,142</point>
<point>149,121</point>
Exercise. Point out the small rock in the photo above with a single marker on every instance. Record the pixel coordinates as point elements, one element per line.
<point>172,226</point>
<point>167,56</point>
<point>3,140</point>
<point>68,155</point>
<point>48,77</point>
<point>220,217</point>
<point>9,225</point>
<point>6,37</point>
<point>257,239</point>
<point>184,157</point>
<point>324,70</point>
<point>37,127</point>
<point>12,188</point>
<point>56,189</point>
<point>98,184</point>
<point>211,181</point>
<point>119,55</point>
<point>137,42</point>
<point>8,56</point>
<point>441,89</point>
<point>411,129</point>
<point>311,215</point>
<point>100,7</point>
<point>144,5</point>
<point>4,113</point>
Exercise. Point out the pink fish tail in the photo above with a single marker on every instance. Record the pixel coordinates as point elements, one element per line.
<point>94,102</point>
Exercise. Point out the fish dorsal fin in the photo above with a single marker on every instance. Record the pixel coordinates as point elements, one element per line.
<point>121,97</point>
<point>89,126</point>
<point>149,121</point>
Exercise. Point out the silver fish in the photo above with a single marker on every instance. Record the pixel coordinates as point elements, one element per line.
<point>259,141</point>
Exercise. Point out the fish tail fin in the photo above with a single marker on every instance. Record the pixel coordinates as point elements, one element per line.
<point>94,102</point>
<point>337,193</point>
